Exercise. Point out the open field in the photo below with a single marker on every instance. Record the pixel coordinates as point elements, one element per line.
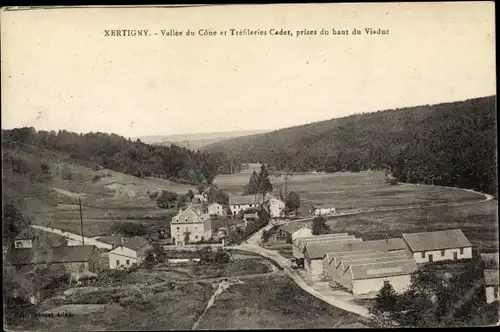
<point>479,222</point>
<point>352,191</point>
<point>164,298</point>
<point>276,302</point>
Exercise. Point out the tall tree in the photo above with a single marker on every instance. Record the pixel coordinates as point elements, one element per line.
<point>253,184</point>
<point>264,182</point>
<point>320,226</point>
<point>292,202</point>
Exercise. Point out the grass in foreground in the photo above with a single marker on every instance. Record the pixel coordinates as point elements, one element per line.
<point>272,302</point>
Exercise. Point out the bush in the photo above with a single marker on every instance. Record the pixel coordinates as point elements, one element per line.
<point>128,228</point>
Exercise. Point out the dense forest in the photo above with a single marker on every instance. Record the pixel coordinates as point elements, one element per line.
<point>123,155</point>
<point>452,144</point>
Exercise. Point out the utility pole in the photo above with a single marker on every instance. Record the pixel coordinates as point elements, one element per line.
<point>81,219</point>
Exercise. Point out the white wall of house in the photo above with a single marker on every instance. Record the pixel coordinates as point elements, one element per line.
<point>122,256</point>
<point>196,230</point>
<point>235,208</point>
<point>23,243</point>
<point>442,255</point>
<point>216,209</point>
<point>315,268</point>
<point>302,232</point>
<point>491,294</point>
<point>365,286</point>
<point>276,208</point>
<point>296,252</point>
<point>324,211</point>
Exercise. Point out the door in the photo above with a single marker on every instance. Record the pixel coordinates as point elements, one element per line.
<point>455,256</point>
<point>431,259</point>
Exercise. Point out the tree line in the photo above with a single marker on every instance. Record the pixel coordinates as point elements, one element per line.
<point>451,144</point>
<point>124,155</point>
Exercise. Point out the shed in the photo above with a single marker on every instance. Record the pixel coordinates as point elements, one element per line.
<point>439,246</point>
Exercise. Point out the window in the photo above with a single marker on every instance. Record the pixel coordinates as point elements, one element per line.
<point>177,228</point>
<point>117,262</point>
<point>461,251</point>
<point>128,262</point>
<point>442,252</point>
<point>196,237</point>
<point>423,254</point>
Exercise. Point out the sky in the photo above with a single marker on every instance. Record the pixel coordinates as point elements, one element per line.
<point>60,71</point>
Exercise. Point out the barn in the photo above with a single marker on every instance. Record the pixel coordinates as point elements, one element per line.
<point>448,245</point>
<point>300,242</point>
<point>314,253</point>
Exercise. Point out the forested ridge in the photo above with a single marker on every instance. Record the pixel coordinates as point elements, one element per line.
<point>124,155</point>
<point>452,144</point>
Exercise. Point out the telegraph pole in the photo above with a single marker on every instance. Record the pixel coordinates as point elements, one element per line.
<point>81,219</point>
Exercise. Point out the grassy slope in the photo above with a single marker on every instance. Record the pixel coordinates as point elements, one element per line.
<point>101,204</point>
<point>276,302</point>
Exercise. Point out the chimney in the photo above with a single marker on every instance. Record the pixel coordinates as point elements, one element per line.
<point>386,238</point>
<point>121,241</point>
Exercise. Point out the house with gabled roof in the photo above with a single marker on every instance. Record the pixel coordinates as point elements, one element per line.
<point>130,251</point>
<point>299,243</point>
<point>315,251</point>
<point>447,245</point>
<point>245,202</point>
<point>491,276</point>
<point>71,258</point>
<point>190,225</point>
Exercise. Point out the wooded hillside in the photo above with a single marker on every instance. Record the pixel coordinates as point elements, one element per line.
<point>451,144</point>
<point>123,155</point>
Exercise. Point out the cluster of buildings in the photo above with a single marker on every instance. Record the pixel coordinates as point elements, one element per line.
<point>273,205</point>
<point>363,267</point>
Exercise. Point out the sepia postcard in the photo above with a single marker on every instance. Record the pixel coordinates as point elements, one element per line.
<point>278,166</point>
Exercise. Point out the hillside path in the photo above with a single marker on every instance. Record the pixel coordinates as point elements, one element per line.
<point>75,237</point>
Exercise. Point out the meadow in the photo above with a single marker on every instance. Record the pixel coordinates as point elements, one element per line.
<point>275,302</point>
<point>479,222</point>
<point>351,191</point>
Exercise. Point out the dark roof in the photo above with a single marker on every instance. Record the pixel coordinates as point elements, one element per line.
<point>317,250</point>
<point>248,199</point>
<point>135,243</point>
<point>491,277</point>
<point>439,240</point>
<point>26,234</point>
<point>301,241</point>
<point>292,227</point>
<point>65,254</point>
<point>113,240</point>
<point>490,260</point>
<point>376,245</point>
<point>382,269</point>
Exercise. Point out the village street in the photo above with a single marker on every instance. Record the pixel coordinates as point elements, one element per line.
<point>322,293</point>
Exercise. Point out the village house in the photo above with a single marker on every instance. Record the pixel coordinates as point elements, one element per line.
<point>243,203</point>
<point>35,238</point>
<point>315,251</point>
<point>275,207</point>
<point>200,198</point>
<point>491,276</point>
<point>428,247</point>
<point>299,243</point>
<point>130,251</point>
<point>291,230</point>
<point>190,225</point>
<point>317,211</point>
<point>216,209</point>
<point>73,259</point>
